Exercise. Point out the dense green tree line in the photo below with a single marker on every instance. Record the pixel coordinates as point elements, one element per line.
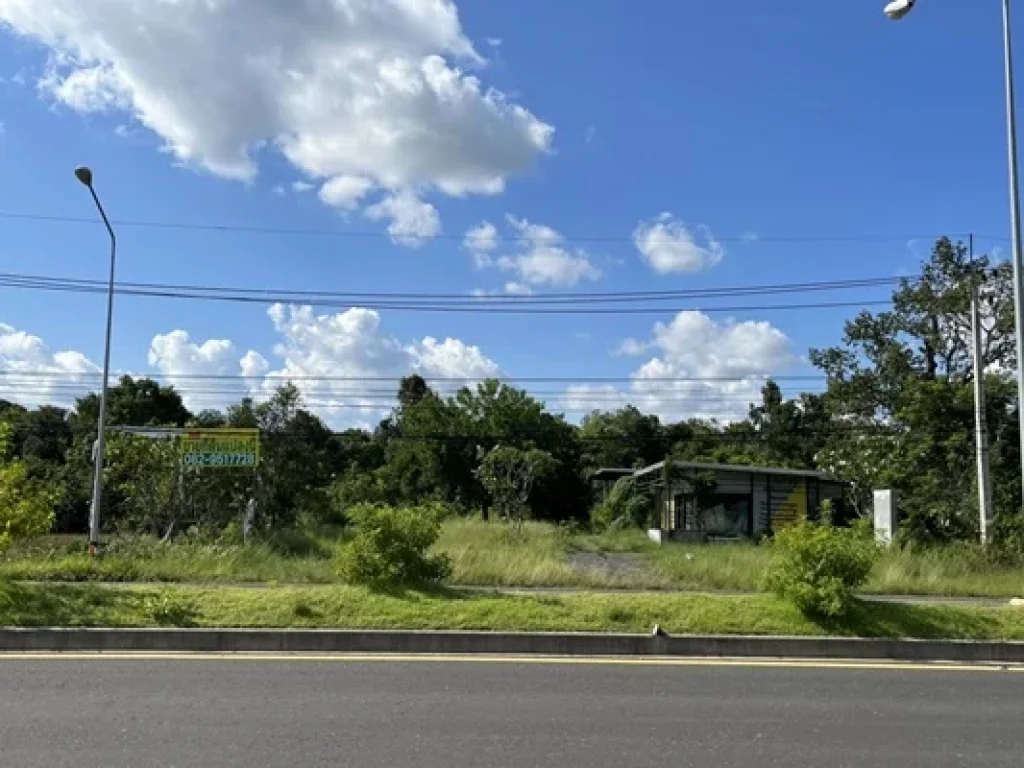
<point>897,413</point>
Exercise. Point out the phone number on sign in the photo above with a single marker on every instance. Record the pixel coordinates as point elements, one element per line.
<point>219,459</point>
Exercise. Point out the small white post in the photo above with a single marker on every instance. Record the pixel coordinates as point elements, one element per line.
<point>885,517</point>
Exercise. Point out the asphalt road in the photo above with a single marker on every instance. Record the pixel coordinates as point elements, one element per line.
<point>110,713</point>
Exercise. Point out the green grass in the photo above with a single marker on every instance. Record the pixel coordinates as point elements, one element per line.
<point>145,559</point>
<point>496,555</point>
<point>955,570</point>
<point>357,608</point>
<point>728,567</point>
<point>493,554</point>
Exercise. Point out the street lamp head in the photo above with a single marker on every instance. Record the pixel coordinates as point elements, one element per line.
<point>897,9</point>
<point>84,175</point>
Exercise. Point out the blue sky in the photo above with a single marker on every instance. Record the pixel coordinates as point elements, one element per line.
<point>833,135</point>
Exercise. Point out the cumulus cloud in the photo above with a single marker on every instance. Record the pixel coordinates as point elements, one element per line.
<point>47,377</point>
<point>189,366</point>
<point>382,90</point>
<point>702,368</point>
<point>413,221</point>
<point>542,256</point>
<point>481,241</point>
<point>346,363</point>
<point>668,246</point>
<point>345,191</point>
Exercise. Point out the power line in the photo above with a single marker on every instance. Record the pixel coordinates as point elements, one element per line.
<point>20,280</point>
<point>474,307</point>
<point>453,379</point>
<point>378,235</point>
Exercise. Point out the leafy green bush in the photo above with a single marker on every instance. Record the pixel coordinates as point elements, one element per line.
<point>391,546</point>
<point>1008,538</point>
<point>26,506</point>
<point>169,609</point>
<point>626,506</point>
<point>818,567</point>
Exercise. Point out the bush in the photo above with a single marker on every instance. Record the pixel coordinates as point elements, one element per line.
<point>391,546</point>
<point>626,506</point>
<point>26,506</point>
<point>818,567</point>
<point>1008,538</point>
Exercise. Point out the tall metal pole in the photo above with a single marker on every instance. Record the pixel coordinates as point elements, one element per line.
<point>85,176</point>
<point>980,420</point>
<point>1018,265</point>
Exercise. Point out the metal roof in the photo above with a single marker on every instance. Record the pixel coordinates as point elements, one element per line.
<point>613,471</point>
<point>738,468</point>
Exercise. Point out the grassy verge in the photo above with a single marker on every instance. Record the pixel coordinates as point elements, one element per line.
<point>349,607</point>
<point>492,554</point>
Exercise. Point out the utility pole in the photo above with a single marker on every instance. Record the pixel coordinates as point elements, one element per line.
<point>980,422</point>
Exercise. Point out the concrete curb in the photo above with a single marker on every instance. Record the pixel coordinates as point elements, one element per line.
<point>540,644</point>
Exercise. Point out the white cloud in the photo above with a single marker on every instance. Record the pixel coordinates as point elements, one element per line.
<point>346,365</point>
<point>47,377</point>
<point>481,241</point>
<point>377,90</point>
<point>544,258</point>
<point>189,366</point>
<point>413,221</point>
<point>631,347</point>
<point>345,191</point>
<point>518,289</point>
<point>703,369</point>
<point>451,359</point>
<point>668,246</point>
<point>302,186</point>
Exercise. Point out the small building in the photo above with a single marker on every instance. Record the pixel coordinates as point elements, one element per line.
<point>696,501</point>
<point>603,480</point>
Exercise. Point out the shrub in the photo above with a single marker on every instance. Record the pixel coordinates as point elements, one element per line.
<point>169,609</point>
<point>391,546</point>
<point>26,506</point>
<point>626,506</point>
<point>818,567</point>
<point>1008,538</point>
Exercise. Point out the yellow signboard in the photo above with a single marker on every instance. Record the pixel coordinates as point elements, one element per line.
<point>793,509</point>
<point>220,448</point>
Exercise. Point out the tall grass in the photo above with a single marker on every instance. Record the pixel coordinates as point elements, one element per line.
<point>143,558</point>
<point>725,567</point>
<point>953,570</point>
<point>498,555</point>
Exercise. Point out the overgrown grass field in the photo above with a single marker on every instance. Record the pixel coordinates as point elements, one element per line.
<point>495,555</point>
<point>359,608</point>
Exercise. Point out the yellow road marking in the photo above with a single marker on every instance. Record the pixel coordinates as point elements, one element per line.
<point>486,659</point>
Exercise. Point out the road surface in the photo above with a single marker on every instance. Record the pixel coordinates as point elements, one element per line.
<point>83,712</point>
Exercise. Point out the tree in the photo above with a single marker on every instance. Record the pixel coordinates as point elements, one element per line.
<point>141,480</point>
<point>411,390</point>
<point>624,438</point>
<point>899,393</point>
<point>133,403</point>
<point>789,432</point>
<point>26,506</point>
<point>510,474</point>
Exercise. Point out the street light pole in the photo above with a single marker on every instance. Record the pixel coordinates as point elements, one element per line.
<point>84,175</point>
<point>897,9</point>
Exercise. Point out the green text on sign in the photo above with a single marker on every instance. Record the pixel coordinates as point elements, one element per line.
<point>220,448</point>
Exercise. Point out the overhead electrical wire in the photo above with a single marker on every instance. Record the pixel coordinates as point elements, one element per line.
<point>18,280</point>
<point>382,235</point>
<point>428,379</point>
<point>470,307</point>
